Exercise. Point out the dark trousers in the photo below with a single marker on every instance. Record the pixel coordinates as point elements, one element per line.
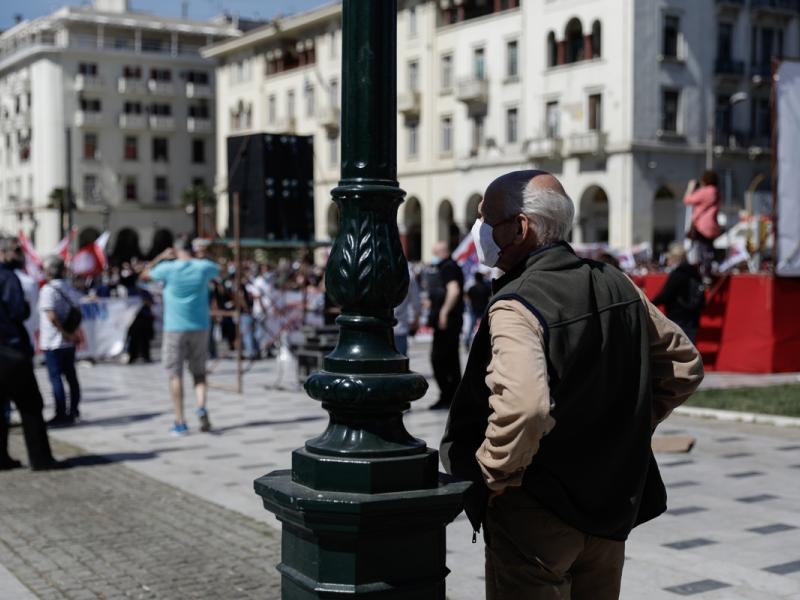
<point>21,388</point>
<point>446,362</point>
<point>61,363</point>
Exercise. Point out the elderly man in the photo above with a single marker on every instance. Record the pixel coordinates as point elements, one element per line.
<point>566,381</point>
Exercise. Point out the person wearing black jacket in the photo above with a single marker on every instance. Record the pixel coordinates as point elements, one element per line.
<point>17,379</point>
<point>683,294</point>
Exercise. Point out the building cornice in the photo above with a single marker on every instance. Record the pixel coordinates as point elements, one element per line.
<point>274,31</point>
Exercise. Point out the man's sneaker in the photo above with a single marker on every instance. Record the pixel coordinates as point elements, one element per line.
<point>179,429</point>
<point>205,424</point>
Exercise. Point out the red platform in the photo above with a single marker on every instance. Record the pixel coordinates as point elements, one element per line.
<point>751,323</point>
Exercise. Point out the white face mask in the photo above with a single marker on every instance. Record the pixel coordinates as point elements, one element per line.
<point>487,249</point>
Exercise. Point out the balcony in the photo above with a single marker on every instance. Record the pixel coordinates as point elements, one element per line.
<point>162,123</point>
<point>131,86</point>
<point>283,125</point>
<point>198,90</point>
<point>198,125</point>
<point>779,7</point>
<point>160,88</point>
<point>328,117</point>
<point>588,143</point>
<point>132,121</point>
<point>547,147</point>
<point>88,119</point>
<point>728,68</point>
<point>473,92</point>
<point>88,83</point>
<point>409,104</point>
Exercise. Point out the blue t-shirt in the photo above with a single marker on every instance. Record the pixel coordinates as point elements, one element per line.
<point>185,292</point>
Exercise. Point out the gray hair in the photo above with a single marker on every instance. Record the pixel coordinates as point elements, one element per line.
<point>550,212</point>
<point>8,243</point>
<point>54,267</point>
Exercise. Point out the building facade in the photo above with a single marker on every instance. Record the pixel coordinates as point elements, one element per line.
<point>624,100</point>
<point>135,99</point>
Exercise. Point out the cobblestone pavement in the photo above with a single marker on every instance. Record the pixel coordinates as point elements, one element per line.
<point>101,530</point>
<point>733,531</point>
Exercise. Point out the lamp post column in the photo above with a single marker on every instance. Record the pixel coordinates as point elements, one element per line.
<point>363,508</point>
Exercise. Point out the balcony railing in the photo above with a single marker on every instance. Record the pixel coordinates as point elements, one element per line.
<point>761,73</point>
<point>198,90</point>
<point>473,91</point>
<point>88,83</point>
<point>409,103</point>
<point>131,86</point>
<point>328,116</point>
<point>22,120</point>
<point>88,119</point>
<point>284,125</point>
<point>198,125</point>
<point>132,121</point>
<point>162,123</point>
<point>726,66</point>
<point>546,147</point>
<point>590,142</point>
<point>161,88</point>
<point>781,6</point>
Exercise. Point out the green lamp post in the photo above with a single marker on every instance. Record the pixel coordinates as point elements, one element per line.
<point>363,508</point>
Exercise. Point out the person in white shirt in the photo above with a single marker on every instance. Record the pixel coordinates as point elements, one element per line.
<point>56,299</point>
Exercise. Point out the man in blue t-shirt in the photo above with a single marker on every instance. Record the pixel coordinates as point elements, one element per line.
<point>186,318</point>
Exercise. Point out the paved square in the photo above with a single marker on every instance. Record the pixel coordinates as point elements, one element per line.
<point>756,544</point>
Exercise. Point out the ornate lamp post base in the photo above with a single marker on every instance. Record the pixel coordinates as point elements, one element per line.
<point>335,545</point>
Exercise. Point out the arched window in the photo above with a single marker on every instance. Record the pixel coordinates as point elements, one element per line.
<point>574,38</point>
<point>596,40</point>
<point>552,49</point>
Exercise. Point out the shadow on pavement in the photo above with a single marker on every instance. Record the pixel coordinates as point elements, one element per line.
<point>268,423</point>
<point>93,460</point>
<point>121,420</point>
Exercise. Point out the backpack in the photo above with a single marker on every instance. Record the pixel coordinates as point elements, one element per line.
<point>74,317</point>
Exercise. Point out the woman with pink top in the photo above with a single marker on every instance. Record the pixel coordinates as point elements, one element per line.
<point>705,201</point>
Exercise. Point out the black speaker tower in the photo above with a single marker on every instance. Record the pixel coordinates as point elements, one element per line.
<point>274,176</point>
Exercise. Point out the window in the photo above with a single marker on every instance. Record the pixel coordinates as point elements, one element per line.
<point>479,64</point>
<point>412,21</point>
<point>669,111</point>
<point>132,72</point>
<point>574,41</point>
<point>477,133</point>
<point>670,44</point>
<point>413,75</point>
<point>90,190</point>
<point>90,105</point>
<point>552,117</point>
<point>552,50</point>
<point>412,137</point>
<point>724,42</point>
<point>132,108</point>
<point>198,77</point>
<point>272,109</point>
<point>131,148</point>
<point>446,71</point>
<point>760,119</point>
<point>766,43</point>
<point>333,150</point>
<point>161,110</point>
<point>310,101</point>
<point>290,104</point>
<point>131,193</point>
<point>161,75</point>
<point>446,133</point>
<point>160,149</point>
<point>161,190</point>
<point>597,40</point>
<point>90,150</point>
<point>199,110</point>
<point>512,59</point>
<point>88,69</point>
<point>595,112</point>
<point>198,151</point>
<point>511,125</point>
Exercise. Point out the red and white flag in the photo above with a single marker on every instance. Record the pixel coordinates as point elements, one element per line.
<point>91,259</point>
<point>33,262</point>
<point>64,246</point>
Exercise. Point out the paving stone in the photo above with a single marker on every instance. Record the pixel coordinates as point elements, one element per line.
<point>685,510</point>
<point>737,455</point>
<point>677,463</point>
<point>682,484</point>
<point>745,474</point>
<point>687,544</point>
<point>775,528</point>
<point>697,587</point>
<point>758,498</point>
<point>784,568</point>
